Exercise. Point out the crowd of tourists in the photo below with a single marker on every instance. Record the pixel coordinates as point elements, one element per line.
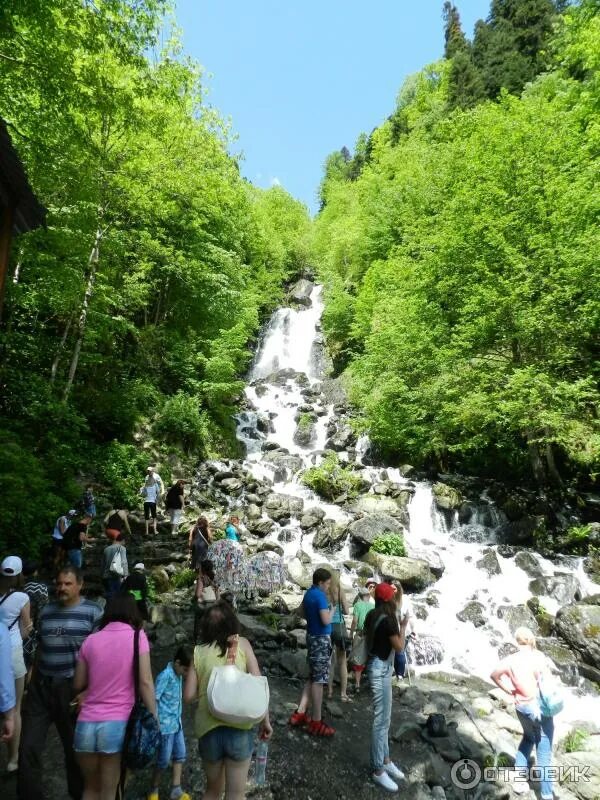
<point>58,666</point>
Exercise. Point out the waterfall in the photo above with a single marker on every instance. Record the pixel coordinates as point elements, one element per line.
<point>285,381</point>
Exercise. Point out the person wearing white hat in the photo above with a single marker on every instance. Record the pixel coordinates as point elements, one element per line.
<point>15,614</point>
<point>137,585</point>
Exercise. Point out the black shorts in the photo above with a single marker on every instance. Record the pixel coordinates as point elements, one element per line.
<point>149,510</point>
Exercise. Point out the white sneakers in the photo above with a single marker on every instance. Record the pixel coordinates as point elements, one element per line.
<point>394,771</point>
<point>384,780</point>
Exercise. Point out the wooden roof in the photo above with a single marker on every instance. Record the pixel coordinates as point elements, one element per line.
<point>15,190</point>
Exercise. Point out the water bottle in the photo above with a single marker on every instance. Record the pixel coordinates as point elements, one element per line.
<point>262,748</point>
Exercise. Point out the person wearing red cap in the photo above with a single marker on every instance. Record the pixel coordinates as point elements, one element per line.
<point>384,638</point>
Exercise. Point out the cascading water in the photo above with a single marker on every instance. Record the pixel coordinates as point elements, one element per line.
<point>286,372</point>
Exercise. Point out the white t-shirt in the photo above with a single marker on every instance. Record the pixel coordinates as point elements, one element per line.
<point>151,492</point>
<point>10,610</point>
<point>406,610</point>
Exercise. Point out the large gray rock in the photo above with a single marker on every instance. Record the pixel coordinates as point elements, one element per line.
<point>562,657</point>
<point>364,531</point>
<point>283,506</point>
<point>287,463</point>
<point>376,504</point>
<point>294,662</point>
<point>518,617</point>
<point>447,497</point>
<point>330,535</point>
<point>343,438</point>
<point>413,573</point>
<point>529,563</point>
<point>563,588</point>
<point>300,573</point>
<point>260,527</point>
<point>473,612</point>
<point>301,291</point>
<point>579,625</point>
<point>489,563</point>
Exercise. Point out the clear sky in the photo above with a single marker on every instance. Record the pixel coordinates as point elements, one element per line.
<point>301,78</point>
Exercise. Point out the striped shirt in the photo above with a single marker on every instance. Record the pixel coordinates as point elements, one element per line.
<point>62,630</point>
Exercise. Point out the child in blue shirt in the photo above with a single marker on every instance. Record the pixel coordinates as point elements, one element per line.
<point>169,691</point>
<point>232,529</point>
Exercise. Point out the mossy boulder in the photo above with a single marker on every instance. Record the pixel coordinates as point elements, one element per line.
<point>413,573</point>
<point>447,497</point>
<point>579,625</point>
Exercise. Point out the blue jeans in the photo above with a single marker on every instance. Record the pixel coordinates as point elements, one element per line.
<point>538,731</point>
<point>400,663</point>
<point>75,558</point>
<point>172,749</point>
<point>380,678</point>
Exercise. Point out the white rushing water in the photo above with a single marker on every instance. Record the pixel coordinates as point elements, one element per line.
<point>291,342</point>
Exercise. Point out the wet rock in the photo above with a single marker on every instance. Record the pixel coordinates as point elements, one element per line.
<point>288,464</point>
<point>542,617</point>
<point>343,438</point>
<point>283,506</point>
<point>507,649</point>
<point>490,563</point>
<point>364,531</point>
<point>518,617</point>
<point>330,536</point>
<point>413,573</point>
<point>562,657</point>
<point>473,612</point>
<point>300,573</point>
<point>301,291</point>
<point>563,588</point>
<point>579,625</point>
<point>425,650</point>
<point>524,531</point>
<point>253,512</point>
<point>260,527</point>
<point>529,563</point>
<point>273,548</point>
<point>446,497</point>
<point>375,504</point>
<point>431,557</point>
<point>160,579</point>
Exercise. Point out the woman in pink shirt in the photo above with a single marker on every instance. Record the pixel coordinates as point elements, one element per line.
<point>519,675</point>
<point>104,673</point>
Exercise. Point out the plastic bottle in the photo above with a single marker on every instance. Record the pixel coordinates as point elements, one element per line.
<point>262,749</point>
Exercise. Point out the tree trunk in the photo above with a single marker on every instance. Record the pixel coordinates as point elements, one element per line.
<point>92,266</point>
<point>59,351</point>
<point>19,264</point>
<point>553,472</point>
<point>535,458</point>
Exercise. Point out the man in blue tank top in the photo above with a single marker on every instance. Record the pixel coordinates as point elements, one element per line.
<point>317,612</point>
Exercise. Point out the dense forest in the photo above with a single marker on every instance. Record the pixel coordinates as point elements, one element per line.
<point>134,307</point>
<point>459,248</point>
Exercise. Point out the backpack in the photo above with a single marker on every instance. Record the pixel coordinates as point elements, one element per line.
<point>70,540</point>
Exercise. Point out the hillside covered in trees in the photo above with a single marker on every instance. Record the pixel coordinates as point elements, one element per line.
<point>459,247</point>
<point>137,302</point>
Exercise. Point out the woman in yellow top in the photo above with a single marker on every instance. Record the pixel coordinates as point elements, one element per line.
<point>225,749</point>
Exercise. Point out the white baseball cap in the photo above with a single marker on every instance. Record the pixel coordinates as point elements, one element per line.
<point>140,566</point>
<point>72,512</point>
<point>12,565</point>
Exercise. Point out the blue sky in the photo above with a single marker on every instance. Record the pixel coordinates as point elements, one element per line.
<point>301,78</point>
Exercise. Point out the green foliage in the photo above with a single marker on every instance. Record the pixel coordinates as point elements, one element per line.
<point>330,479</point>
<point>575,740</point>
<point>389,544</point>
<point>123,468</point>
<point>139,298</point>
<point>217,534</point>
<point>460,281</point>
<point>305,421</point>
<point>181,422</point>
<point>183,579</point>
<point>152,593</point>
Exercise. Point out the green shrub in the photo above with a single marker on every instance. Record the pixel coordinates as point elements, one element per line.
<point>389,544</point>
<point>183,579</point>
<point>151,588</point>
<point>123,468</point>
<point>217,535</point>
<point>575,740</point>
<point>181,422</point>
<point>332,479</point>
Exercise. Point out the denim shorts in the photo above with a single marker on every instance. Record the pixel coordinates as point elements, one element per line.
<point>99,737</point>
<point>225,742</point>
<point>319,657</point>
<point>172,749</point>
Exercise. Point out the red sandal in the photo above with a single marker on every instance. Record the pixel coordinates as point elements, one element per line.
<point>319,728</point>
<point>299,718</point>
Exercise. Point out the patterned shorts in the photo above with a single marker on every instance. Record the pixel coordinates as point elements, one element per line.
<point>319,657</point>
